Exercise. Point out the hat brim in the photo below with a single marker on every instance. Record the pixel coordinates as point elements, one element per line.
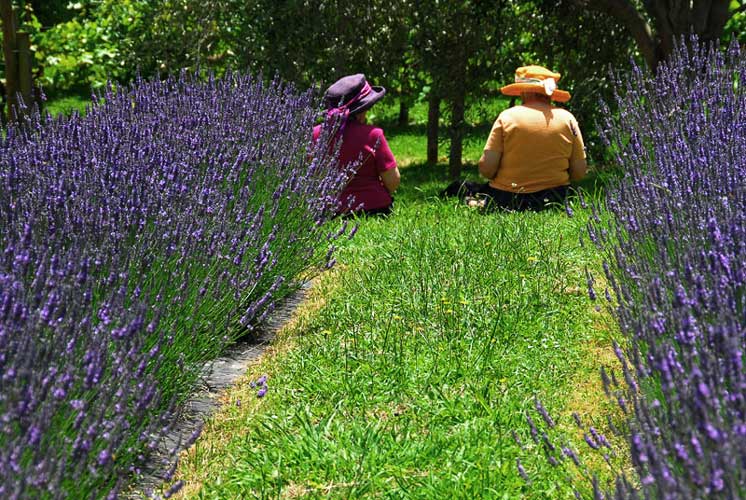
<point>516,89</point>
<point>375,95</point>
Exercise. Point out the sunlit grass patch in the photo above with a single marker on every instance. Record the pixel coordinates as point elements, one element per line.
<point>434,337</point>
<point>426,355</point>
<point>207,457</point>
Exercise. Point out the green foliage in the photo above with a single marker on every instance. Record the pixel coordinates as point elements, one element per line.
<point>318,41</point>
<point>51,12</point>
<point>86,50</point>
<point>463,46</point>
<point>736,26</point>
<point>182,34</point>
<point>468,46</point>
<point>409,47</point>
<point>67,104</point>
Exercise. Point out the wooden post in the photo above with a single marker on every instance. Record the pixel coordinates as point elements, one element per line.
<point>25,82</point>
<point>9,51</point>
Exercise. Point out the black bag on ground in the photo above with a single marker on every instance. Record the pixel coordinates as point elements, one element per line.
<point>462,189</point>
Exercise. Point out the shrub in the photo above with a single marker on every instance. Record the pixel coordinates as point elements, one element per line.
<point>135,242</point>
<point>84,45</point>
<point>673,233</point>
<point>676,246</point>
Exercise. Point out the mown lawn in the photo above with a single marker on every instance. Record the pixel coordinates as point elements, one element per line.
<point>415,358</point>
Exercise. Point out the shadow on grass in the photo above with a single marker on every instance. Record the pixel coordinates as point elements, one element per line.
<point>422,182</point>
<point>66,102</point>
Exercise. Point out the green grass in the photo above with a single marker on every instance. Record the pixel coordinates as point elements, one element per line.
<point>67,103</point>
<point>429,342</point>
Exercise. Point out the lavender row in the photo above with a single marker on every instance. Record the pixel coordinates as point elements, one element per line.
<point>135,242</point>
<point>673,234</point>
<point>676,246</point>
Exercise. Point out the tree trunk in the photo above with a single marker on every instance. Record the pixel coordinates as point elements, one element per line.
<point>716,20</point>
<point>9,51</point>
<point>636,24</point>
<point>403,112</point>
<point>433,117</point>
<point>25,81</point>
<point>458,106</point>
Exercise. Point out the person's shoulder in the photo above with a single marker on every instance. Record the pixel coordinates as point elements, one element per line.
<point>563,113</point>
<point>508,114</point>
<point>512,110</point>
<point>518,114</point>
<point>371,131</point>
<point>371,128</point>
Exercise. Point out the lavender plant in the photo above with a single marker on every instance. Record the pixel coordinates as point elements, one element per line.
<point>135,242</point>
<point>676,243</point>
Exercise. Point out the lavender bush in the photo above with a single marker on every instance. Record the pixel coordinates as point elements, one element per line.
<point>673,231</point>
<point>678,244</point>
<point>135,242</point>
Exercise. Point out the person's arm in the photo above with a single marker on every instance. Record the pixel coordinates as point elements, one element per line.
<point>391,179</point>
<point>578,169</point>
<point>386,163</point>
<point>489,163</point>
<point>578,166</point>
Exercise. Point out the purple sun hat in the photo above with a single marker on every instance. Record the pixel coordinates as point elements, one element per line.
<point>350,95</point>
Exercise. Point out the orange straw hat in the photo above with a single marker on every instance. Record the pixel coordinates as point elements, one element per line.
<point>538,80</point>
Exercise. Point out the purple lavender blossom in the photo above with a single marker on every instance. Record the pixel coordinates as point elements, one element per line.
<point>674,236</point>
<point>677,241</point>
<point>569,210</point>
<point>174,489</point>
<point>543,412</point>
<point>522,470</point>
<point>133,239</point>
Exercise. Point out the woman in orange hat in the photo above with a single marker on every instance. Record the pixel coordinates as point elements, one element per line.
<point>534,149</point>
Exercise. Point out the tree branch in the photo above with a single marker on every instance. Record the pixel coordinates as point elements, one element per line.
<point>638,27</point>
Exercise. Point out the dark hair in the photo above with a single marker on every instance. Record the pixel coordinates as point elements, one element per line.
<point>538,95</point>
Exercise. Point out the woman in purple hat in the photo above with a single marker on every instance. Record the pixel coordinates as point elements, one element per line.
<point>377,177</point>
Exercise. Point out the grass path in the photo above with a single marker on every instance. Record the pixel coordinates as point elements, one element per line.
<point>412,362</point>
<point>407,369</point>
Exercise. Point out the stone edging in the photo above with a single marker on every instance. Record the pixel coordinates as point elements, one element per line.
<point>218,375</point>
